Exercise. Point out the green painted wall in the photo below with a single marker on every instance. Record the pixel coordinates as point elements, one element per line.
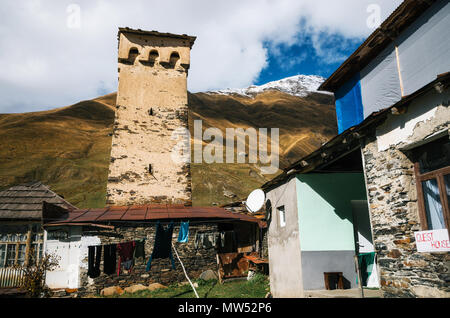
<point>325,211</point>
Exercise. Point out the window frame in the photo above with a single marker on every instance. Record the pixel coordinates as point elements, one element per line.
<point>33,236</point>
<point>439,176</point>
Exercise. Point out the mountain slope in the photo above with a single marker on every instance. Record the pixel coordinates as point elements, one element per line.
<point>68,148</point>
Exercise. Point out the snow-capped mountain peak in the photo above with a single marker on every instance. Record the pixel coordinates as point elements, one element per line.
<point>299,85</point>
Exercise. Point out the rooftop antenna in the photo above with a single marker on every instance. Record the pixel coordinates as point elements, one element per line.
<point>255,201</point>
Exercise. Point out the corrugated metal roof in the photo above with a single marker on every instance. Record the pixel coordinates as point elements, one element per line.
<point>151,213</point>
<point>25,201</point>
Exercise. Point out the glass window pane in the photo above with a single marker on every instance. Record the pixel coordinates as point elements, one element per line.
<point>2,255</point>
<point>21,256</point>
<point>433,205</point>
<point>10,255</point>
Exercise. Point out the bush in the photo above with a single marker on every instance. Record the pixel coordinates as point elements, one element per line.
<point>33,282</point>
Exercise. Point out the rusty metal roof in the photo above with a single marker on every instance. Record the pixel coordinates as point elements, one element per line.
<point>148,213</point>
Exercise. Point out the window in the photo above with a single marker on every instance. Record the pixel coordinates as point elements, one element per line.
<point>21,254</point>
<point>174,57</point>
<point>13,244</point>
<point>432,170</point>
<point>282,213</point>
<point>10,255</point>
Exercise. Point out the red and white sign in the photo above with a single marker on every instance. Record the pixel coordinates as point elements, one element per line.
<point>432,241</point>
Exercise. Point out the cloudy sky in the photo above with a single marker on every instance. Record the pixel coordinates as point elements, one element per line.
<point>55,53</point>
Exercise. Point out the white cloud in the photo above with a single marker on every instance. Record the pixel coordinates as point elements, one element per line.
<point>46,64</point>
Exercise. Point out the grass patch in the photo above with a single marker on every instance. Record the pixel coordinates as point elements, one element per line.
<point>258,287</point>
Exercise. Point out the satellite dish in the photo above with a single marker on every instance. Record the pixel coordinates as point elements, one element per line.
<point>255,201</point>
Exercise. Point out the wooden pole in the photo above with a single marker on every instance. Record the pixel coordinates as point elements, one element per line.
<point>28,247</point>
<point>397,55</point>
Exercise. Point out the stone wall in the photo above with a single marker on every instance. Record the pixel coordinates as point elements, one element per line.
<point>194,261</point>
<point>151,116</point>
<point>394,214</point>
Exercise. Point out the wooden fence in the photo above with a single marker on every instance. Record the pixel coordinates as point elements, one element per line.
<point>10,277</point>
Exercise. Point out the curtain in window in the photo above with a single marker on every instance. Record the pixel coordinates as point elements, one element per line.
<point>433,205</point>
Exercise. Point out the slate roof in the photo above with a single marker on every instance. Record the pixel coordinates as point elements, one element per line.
<point>24,202</point>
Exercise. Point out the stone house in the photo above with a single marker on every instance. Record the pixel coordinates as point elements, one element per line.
<point>22,237</point>
<point>382,186</point>
<point>115,225</point>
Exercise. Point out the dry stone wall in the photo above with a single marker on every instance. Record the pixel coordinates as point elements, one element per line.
<point>394,213</point>
<point>196,261</point>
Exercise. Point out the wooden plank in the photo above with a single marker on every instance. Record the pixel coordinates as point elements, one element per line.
<point>420,199</point>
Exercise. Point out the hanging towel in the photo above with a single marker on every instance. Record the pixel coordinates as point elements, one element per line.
<point>109,259</point>
<point>94,257</point>
<point>163,245</point>
<point>366,261</point>
<point>126,252</point>
<point>183,237</point>
<point>207,240</point>
<point>198,240</point>
<point>139,251</point>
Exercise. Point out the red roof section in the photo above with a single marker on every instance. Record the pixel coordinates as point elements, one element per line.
<point>152,213</point>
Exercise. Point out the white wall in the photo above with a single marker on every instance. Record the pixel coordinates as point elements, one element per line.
<point>72,252</point>
<point>400,129</point>
<point>284,244</point>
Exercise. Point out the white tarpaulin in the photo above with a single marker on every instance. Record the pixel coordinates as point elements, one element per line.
<point>380,83</point>
<point>423,53</point>
<point>424,47</point>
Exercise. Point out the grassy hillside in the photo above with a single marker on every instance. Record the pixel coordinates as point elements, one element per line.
<point>68,148</point>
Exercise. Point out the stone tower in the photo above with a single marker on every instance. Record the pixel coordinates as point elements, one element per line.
<point>152,103</point>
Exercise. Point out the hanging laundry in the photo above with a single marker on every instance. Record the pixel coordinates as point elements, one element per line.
<point>163,245</point>
<point>206,240</point>
<point>94,257</point>
<point>198,240</point>
<point>109,259</point>
<point>139,251</point>
<point>126,252</point>
<point>366,261</point>
<point>183,237</point>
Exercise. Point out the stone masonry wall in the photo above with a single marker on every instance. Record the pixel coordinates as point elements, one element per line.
<point>152,106</point>
<point>394,215</point>
<point>194,261</point>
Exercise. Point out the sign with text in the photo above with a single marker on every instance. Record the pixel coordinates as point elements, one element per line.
<point>432,241</point>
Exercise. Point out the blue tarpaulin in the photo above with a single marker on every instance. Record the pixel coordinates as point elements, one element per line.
<point>349,108</point>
